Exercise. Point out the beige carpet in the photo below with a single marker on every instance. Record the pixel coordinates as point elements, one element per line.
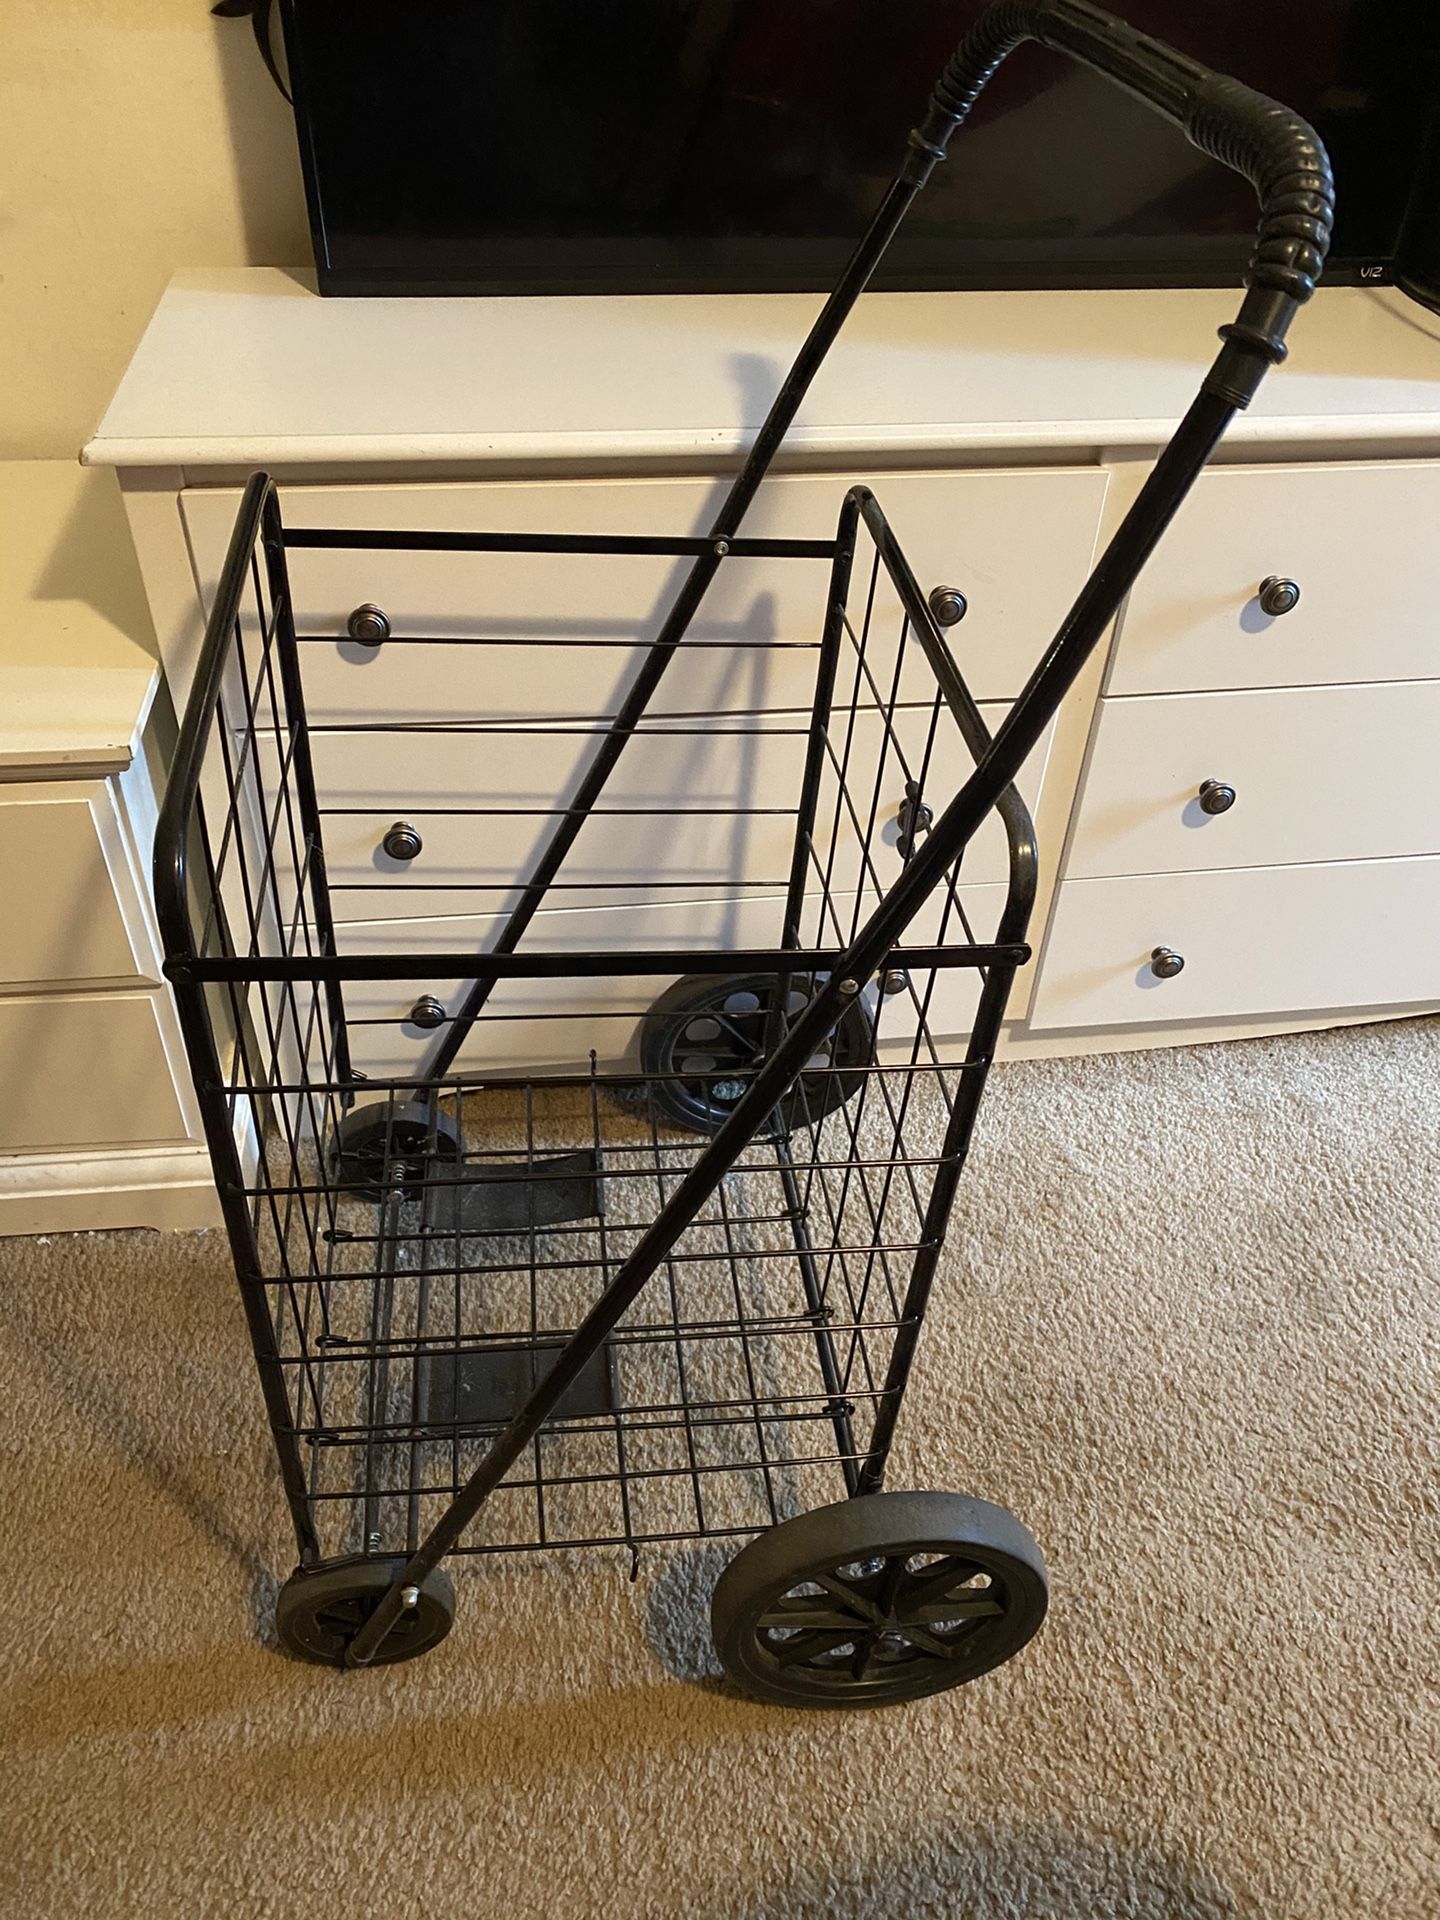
<point>1190,1331</point>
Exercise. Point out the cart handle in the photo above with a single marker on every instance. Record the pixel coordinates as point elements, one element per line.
<point>1280,154</point>
<point>1273,147</point>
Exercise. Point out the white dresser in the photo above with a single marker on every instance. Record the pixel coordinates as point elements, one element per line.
<point>97,1120</point>
<point>1238,808</point>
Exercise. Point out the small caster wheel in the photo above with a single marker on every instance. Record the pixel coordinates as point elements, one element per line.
<point>320,1610</point>
<point>704,1040</point>
<point>383,1148</point>
<point>884,1598</point>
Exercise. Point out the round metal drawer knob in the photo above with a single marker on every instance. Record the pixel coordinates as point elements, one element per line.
<point>1278,595</point>
<point>948,605</point>
<point>402,842</point>
<point>368,624</point>
<point>427,1012</point>
<point>1165,963</point>
<point>1216,796</point>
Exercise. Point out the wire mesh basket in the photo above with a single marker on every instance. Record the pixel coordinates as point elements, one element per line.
<point>418,1275</point>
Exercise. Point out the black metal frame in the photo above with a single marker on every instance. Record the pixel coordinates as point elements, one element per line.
<point>282,985</point>
<point>240,841</point>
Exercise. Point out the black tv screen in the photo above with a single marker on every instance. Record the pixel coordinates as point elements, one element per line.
<point>535,146</point>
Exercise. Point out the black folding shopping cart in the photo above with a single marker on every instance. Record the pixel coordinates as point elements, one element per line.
<point>651,1265</point>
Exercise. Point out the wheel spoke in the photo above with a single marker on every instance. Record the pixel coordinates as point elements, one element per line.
<point>746,1049</point>
<point>931,1643</point>
<point>946,1576</point>
<point>805,1646</point>
<point>964,1606</point>
<point>851,1597</point>
<point>890,1579</point>
<point>812,1613</point>
<point>341,1616</point>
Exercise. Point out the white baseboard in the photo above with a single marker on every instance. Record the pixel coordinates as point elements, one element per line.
<point>164,1187</point>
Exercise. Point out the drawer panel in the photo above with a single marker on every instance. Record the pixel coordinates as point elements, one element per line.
<point>690,808</point>
<point>85,1071</point>
<point>1320,773</point>
<point>61,862</point>
<point>1264,940</point>
<point>576,622</point>
<point>602,1013</point>
<point>1351,537</point>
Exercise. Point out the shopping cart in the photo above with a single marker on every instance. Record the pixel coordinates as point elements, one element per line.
<point>652,1263</point>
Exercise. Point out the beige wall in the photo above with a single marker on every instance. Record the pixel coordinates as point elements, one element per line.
<point>136,136</point>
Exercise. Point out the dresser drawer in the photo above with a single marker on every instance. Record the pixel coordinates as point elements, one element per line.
<point>553,1024</point>
<point>1017,543</point>
<point>84,1071</point>
<point>1321,773</point>
<point>1353,538</point>
<point>73,910</point>
<point>1263,940</point>
<point>691,808</point>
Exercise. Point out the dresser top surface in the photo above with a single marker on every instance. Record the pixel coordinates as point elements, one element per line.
<point>77,649</point>
<point>252,366</point>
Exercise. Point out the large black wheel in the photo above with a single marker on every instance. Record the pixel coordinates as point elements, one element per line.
<point>704,1039</point>
<point>320,1610</point>
<point>387,1147</point>
<point>876,1600</point>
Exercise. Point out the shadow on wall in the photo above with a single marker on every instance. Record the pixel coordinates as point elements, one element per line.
<point>271,192</point>
<point>94,563</point>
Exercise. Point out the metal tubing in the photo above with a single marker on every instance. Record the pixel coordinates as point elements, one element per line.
<point>1009,804</point>
<point>272,537</point>
<point>1130,547</point>
<point>839,1408</point>
<point>172,844</point>
<point>172,832</point>
<point>959,1129</point>
<point>825,672</point>
<point>604,545</point>
<point>1098,602</point>
<point>565,966</point>
<point>786,404</point>
<point>218,1122</point>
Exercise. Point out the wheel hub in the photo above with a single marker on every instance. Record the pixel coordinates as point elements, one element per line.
<point>320,1610</point>
<point>705,1038</point>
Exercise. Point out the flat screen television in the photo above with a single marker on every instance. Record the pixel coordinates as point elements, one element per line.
<point>547,146</point>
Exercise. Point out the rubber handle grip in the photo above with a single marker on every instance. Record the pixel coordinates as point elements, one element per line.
<point>1279,153</point>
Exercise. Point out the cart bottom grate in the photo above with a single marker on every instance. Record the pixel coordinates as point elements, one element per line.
<point>741,1387</point>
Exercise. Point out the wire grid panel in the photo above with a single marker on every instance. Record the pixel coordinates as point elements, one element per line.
<point>746,1381</point>
<point>713,1412</point>
<point>255,888</point>
<point>691,845</point>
